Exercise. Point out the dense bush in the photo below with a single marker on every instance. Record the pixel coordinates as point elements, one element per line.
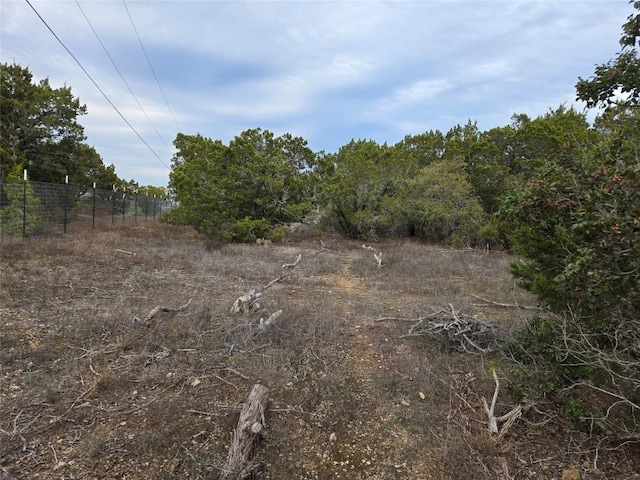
<point>242,191</point>
<point>576,223</point>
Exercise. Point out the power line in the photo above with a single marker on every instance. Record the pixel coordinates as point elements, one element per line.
<point>150,66</point>
<point>96,85</point>
<point>122,77</point>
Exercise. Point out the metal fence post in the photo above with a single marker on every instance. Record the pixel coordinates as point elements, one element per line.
<point>24,204</point>
<point>93,213</point>
<point>154,206</point>
<point>64,206</point>
<point>113,205</point>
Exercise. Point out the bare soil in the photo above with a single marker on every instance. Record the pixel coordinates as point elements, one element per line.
<point>90,387</point>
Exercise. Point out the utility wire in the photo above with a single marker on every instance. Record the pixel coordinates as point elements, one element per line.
<point>149,62</point>
<point>122,77</point>
<point>96,85</point>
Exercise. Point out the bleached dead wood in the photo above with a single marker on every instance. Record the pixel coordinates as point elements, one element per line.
<point>377,256</point>
<point>154,311</point>
<point>250,301</point>
<point>250,429</point>
<point>508,419</point>
<point>125,252</point>
<point>246,303</point>
<point>295,263</point>
<point>489,303</point>
<point>264,324</point>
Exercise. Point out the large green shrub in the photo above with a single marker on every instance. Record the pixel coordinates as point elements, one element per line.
<point>438,204</point>
<point>576,223</point>
<point>242,191</point>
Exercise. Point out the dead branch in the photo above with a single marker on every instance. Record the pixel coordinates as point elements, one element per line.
<point>377,256</point>
<point>273,282</point>
<point>246,303</point>
<point>396,319</point>
<point>508,419</point>
<point>264,324</point>
<point>208,414</point>
<point>125,252</point>
<point>249,302</point>
<point>295,263</point>
<point>154,311</point>
<point>615,357</point>
<point>489,303</point>
<point>236,372</point>
<point>250,429</point>
<point>458,331</point>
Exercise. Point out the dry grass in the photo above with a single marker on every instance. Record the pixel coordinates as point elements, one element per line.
<point>89,389</point>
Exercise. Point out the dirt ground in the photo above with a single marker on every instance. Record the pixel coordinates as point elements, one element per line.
<point>92,385</point>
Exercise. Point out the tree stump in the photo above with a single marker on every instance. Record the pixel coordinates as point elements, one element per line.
<point>251,428</point>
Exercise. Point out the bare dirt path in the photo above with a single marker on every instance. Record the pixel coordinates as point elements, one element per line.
<point>370,438</point>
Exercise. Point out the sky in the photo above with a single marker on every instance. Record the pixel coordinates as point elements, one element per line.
<point>328,72</point>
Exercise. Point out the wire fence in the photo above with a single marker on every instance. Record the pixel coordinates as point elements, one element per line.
<point>35,208</point>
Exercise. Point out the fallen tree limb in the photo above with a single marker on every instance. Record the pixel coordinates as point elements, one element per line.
<point>396,319</point>
<point>247,303</point>
<point>154,311</point>
<point>250,429</point>
<point>489,303</point>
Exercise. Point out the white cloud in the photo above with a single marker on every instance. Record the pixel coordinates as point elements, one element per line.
<point>325,70</point>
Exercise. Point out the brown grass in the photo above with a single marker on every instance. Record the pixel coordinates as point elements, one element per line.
<point>89,389</point>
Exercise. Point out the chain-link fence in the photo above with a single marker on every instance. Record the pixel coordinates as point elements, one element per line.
<point>33,208</point>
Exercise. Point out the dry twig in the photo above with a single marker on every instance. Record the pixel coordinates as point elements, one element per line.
<point>489,303</point>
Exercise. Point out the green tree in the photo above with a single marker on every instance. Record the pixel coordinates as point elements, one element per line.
<point>575,219</point>
<point>576,226</point>
<point>197,182</point>
<point>39,125</point>
<point>153,191</point>
<point>438,204</point>
<point>39,131</point>
<point>243,190</point>
<point>423,149</point>
<point>363,175</point>
<point>617,81</point>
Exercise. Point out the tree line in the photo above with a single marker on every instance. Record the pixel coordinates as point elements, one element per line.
<point>40,131</point>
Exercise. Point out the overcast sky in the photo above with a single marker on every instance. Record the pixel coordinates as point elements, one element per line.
<point>326,71</point>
